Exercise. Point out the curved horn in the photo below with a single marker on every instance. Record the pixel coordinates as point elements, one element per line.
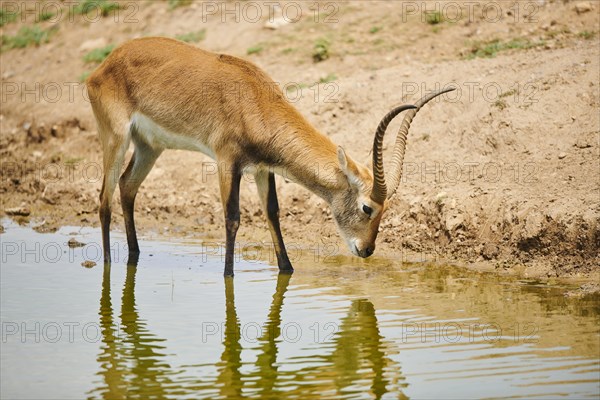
<point>378,194</point>
<point>400,146</point>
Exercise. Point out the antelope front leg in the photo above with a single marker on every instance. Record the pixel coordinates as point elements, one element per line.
<point>265,182</point>
<point>229,182</point>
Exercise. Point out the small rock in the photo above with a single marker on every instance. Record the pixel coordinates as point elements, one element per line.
<point>1,229</point>
<point>20,211</point>
<point>454,221</point>
<point>276,23</point>
<point>73,243</point>
<point>88,264</point>
<point>57,131</point>
<point>51,194</point>
<point>92,44</point>
<point>396,221</point>
<point>277,19</point>
<point>533,225</point>
<point>46,227</point>
<point>583,7</point>
<point>440,196</point>
<point>582,144</point>
<point>562,155</point>
<point>490,251</point>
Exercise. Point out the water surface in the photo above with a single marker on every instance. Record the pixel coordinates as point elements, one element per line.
<point>170,326</point>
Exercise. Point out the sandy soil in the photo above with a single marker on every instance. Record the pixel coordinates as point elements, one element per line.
<point>501,175</point>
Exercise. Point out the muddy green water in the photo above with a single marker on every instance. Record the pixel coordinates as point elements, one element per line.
<point>173,327</point>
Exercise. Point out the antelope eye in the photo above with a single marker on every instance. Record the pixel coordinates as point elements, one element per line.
<point>368,210</point>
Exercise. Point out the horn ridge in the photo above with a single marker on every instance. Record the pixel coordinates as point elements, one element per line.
<point>400,145</point>
<point>379,192</point>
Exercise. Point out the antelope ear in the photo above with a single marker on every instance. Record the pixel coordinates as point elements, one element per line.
<point>348,167</point>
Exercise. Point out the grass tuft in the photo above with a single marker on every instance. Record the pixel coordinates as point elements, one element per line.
<point>6,16</point>
<point>173,4</point>
<point>255,49</point>
<point>88,6</point>
<point>84,76</point>
<point>45,16</point>
<point>491,48</point>
<point>501,104</point>
<point>434,18</point>
<point>329,78</point>
<point>192,37</point>
<point>321,50</point>
<point>325,79</point>
<point>587,35</point>
<point>98,55</point>
<point>27,36</point>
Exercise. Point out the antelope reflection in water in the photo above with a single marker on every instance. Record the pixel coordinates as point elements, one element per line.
<point>358,360</point>
<point>134,365</point>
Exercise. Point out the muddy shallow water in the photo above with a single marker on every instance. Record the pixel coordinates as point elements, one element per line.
<point>171,326</point>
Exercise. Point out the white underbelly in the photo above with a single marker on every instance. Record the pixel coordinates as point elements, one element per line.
<point>160,138</point>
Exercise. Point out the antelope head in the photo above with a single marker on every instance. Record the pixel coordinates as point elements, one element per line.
<point>358,208</point>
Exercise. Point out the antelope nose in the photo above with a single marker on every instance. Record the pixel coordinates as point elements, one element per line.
<point>369,250</point>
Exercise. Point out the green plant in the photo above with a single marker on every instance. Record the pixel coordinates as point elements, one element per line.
<point>104,6</point>
<point>295,87</point>
<point>329,78</point>
<point>288,50</point>
<point>440,199</point>
<point>27,36</point>
<point>434,17</point>
<point>72,161</point>
<point>192,37</point>
<point>375,29</point>
<point>45,16</point>
<point>173,4</point>
<point>84,75</point>
<point>321,50</point>
<point>501,104</point>
<point>7,16</point>
<point>255,49</point>
<point>508,93</point>
<point>551,34</point>
<point>298,86</point>
<point>586,34</point>
<point>491,48</point>
<point>98,55</point>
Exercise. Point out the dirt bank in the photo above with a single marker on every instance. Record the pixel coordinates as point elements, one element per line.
<point>501,175</point>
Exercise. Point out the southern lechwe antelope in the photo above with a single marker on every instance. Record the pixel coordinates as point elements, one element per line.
<point>164,94</point>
